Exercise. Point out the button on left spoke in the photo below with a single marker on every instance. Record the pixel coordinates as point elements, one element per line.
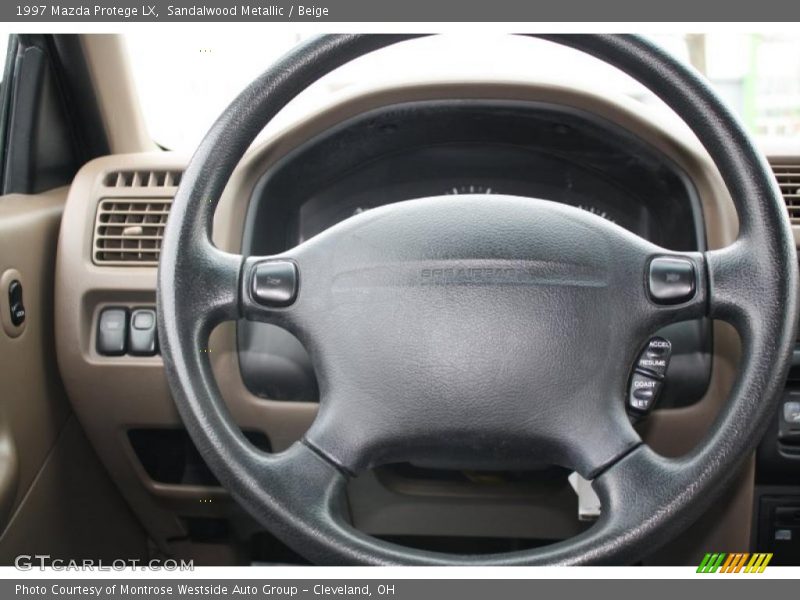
<point>274,283</point>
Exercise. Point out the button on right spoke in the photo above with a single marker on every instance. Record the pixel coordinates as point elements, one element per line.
<point>671,280</point>
<point>647,380</point>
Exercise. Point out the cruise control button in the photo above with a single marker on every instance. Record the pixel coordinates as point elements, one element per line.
<point>655,357</point>
<point>643,392</point>
<point>274,283</point>
<point>671,280</point>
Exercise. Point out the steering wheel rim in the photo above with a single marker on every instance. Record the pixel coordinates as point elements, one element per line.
<point>298,494</point>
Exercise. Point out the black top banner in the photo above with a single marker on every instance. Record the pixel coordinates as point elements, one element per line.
<point>333,11</point>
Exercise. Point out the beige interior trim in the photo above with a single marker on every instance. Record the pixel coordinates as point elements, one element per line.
<point>115,90</point>
<point>9,470</point>
<point>110,395</point>
<point>645,121</point>
<point>33,407</point>
<point>52,489</point>
<point>73,511</point>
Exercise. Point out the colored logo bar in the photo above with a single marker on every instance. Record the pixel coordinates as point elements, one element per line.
<point>737,562</point>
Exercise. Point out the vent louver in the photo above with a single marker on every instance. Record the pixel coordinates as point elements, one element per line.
<point>142,179</point>
<point>788,176</point>
<point>130,220</point>
<point>129,231</point>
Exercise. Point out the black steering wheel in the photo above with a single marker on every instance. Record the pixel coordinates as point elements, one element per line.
<point>477,332</point>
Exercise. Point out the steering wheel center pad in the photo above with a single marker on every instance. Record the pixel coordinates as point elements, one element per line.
<point>472,332</point>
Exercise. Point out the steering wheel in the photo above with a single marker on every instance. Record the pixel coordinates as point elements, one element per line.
<point>477,332</point>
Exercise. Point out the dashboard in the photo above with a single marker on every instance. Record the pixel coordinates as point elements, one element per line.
<point>442,149</point>
<point>591,149</point>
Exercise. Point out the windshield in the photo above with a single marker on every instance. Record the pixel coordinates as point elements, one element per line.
<point>187,78</point>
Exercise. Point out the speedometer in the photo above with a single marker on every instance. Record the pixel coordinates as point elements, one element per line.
<point>597,211</point>
<point>471,188</point>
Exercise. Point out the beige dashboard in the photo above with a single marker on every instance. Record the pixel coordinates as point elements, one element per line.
<point>114,395</point>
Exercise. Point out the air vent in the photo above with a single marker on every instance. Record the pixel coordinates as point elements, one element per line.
<point>788,177</point>
<point>129,231</point>
<point>142,179</point>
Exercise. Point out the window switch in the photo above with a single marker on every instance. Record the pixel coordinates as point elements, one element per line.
<point>111,331</point>
<point>142,332</point>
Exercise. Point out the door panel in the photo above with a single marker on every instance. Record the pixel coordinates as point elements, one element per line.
<point>53,491</point>
<point>33,408</point>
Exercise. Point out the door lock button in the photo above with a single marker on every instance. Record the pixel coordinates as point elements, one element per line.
<point>671,279</point>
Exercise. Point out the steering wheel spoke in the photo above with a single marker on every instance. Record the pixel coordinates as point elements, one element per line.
<point>205,286</point>
<point>738,285</point>
<point>301,480</point>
